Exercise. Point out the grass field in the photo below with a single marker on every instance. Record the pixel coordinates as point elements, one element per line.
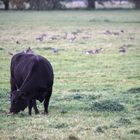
<point>96,92</point>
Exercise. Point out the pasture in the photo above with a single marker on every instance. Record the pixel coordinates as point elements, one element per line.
<point>96,61</point>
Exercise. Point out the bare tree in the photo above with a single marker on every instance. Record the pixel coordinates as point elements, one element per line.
<point>137,3</point>
<point>34,4</point>
<point>6,4</point>
<point>91,4</point>
<point>44,4</point>
<point>18,4</point>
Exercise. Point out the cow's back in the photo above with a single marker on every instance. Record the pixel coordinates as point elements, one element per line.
<point>21,64</point>
<point>31,72</point>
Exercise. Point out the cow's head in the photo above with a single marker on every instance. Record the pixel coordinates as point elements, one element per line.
<point>18,102</point>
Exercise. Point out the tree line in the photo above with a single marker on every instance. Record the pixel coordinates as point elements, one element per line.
<point>53,4</point>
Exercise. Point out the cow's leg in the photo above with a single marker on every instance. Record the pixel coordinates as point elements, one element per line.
<point>47,99</point>
<point>35,106</point>
<point>13,88</point>
<point>30,106</point>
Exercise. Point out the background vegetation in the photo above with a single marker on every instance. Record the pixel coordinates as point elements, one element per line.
<point>96,60</point>
<point>61,4</point>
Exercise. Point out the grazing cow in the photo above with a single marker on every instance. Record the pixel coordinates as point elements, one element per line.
<point>31,80</point>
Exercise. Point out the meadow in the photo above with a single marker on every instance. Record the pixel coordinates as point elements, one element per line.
<point>96,61</point>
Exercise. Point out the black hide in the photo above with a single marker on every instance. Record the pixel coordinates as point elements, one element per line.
<point>31,80</point>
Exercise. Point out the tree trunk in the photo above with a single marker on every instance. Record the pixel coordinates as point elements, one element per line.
<point>34,4</point>
<point>6,4</point>
<point>137,4</point>
<point>44,4</point>
<point>91,4</point>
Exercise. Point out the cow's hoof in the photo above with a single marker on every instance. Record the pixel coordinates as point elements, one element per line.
<point>11,114</point>
<point>46,113</point>
<point>36,113</point>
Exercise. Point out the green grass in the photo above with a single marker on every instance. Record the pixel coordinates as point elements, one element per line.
<point>88,88</point>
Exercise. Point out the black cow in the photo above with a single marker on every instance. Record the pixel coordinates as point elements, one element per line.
<point>31,79</point>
